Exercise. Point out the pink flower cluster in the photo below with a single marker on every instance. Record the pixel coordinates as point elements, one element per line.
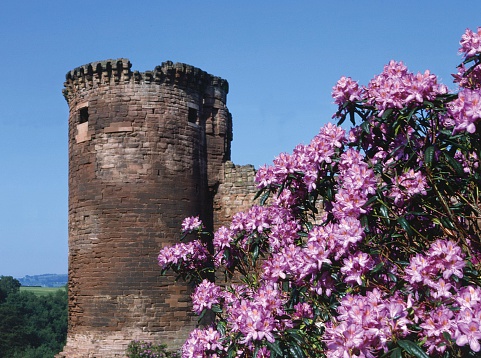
<point>465,111</point>
<point>470,43</point>
<point>346,89</point>
<point>306,159</point>
<point>256,222</point>
<point>394,88</point>
<point>205,295</point>
<point>303,264</point>
<point>302,310</point>
<point>255,314</point>
<point>355,267</point>
<point>190,255</point>
<point>468,77</point>
<point>458,318</point>
<point>456,310</point>
<point>355,182</point>
<point>444,258</point>
<point>365,325</point>
<point>407,185</point>
<point>191,223</point>
<point>204,343</point>
<point>397,88</point>
<point>469,161</point>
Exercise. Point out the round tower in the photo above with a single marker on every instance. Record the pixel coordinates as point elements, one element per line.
<point>145,151</point>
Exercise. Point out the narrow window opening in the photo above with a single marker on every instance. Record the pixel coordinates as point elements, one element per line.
<point>192,115</point>
<point>83,115</point>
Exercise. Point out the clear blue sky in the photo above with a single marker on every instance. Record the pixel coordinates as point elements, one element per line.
<point>281,59</point>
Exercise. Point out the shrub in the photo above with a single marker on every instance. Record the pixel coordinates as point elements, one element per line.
<point>390,266</point>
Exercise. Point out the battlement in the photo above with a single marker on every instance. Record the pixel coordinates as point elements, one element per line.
<point>118,71</point>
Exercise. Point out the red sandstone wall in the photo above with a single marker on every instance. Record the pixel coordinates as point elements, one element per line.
<point>235,193</point>
<point>139,162</point>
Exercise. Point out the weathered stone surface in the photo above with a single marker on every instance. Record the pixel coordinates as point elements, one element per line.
<point>236,192</point>
<point>145,151</point>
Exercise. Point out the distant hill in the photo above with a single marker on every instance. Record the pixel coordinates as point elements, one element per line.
<point>46,280</point>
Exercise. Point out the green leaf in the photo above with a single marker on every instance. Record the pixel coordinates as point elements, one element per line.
<point>429,156</point>
<point>455,164</point>
<point>264,197</point>
<point>371,200</point>
<point>396,353</point>
<point>384,211</point>
<point>216,309</point>
<point>296,351</point>
<point>392,277</point>
<point>202,314</point>
<point>447,336</point>
<point>412,348</point>
<point>365,223</point>
<point>378,267</point>
<point>221,327</point>
<point>297,337</point>
<point>255,253</point>
<point>405,225</point>
<point>387,113</point>
<point>428,104</point>
<point>255,351</point>
<point>352,118</point>
<point>365,127</point>
<point>232,351</point>
<point>274,347</point>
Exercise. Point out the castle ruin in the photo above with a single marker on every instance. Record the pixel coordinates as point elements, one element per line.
<point>146,150</point>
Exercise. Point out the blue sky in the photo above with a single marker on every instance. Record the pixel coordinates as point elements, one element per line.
<point>281,59</point>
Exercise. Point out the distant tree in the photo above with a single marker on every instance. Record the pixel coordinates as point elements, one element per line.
<point>33,326</point>
<point>13,333</point>
<point>8,285</point>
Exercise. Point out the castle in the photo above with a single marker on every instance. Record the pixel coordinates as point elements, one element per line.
<point>146,150</point>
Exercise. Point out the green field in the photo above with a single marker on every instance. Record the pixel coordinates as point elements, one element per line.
<point>41,291</point>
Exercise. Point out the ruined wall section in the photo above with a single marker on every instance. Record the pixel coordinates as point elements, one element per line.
<point>145,151</point>
<point>235,193</point>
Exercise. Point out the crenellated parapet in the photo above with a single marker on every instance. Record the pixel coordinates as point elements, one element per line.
<point>118,71</point>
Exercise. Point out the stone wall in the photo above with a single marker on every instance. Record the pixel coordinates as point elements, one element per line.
<point>236,192</point>
<point>145,150</point>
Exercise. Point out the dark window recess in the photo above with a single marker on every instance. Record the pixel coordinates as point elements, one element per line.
<point>83,115</point>
<point>192,115</point>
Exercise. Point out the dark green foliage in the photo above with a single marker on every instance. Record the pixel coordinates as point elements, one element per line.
<point>8,285</point>
<point>31,326</point>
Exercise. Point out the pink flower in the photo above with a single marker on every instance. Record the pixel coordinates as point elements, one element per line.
<point>191,223</point>
<point>346,90</point>
<point>205,295</point>
<point>395,88</point>
<point>202,343</point>
<point>470,43</point>
<point>355,266</point>
<point>302,310</point>
<point>414,273</point>
<point>466,110</point>
<point>191,255</point>
<point>469,333</point>
<point>407,185</point>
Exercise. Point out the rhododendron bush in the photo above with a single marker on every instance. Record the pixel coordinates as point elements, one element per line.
<point>365,243</point>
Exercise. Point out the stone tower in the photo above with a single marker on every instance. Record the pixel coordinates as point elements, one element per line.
<point>145,150</point>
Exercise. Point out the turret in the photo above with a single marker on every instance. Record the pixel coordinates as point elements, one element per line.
<point>146,149</point>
